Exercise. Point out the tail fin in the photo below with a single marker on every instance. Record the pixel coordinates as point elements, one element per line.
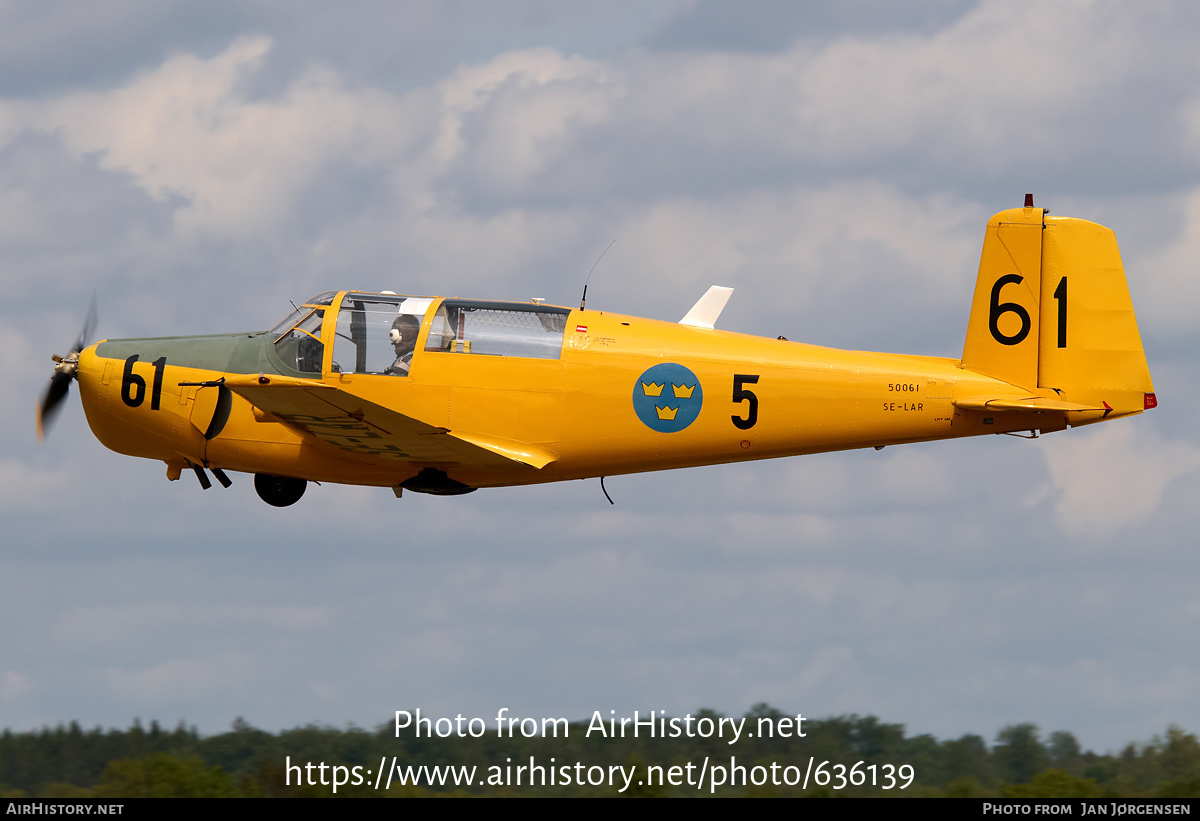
<point>1052,313</point>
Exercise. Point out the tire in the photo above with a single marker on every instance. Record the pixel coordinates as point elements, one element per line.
<point>279,491</point>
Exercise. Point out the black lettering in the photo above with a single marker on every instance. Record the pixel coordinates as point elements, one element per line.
<point>1060,294</point>
<point>741,394</point>
<point>999,309</point>
<point>133,387</point>
<point>160,367</point>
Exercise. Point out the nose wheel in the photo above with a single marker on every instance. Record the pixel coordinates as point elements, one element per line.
<point>279,491</point>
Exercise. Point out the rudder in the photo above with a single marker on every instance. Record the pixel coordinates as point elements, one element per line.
<point>1090,349</point>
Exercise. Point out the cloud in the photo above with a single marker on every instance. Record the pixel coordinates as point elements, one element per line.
<point>537,122</point>
<point>510,116</point>
<point>1173,285</point>
<point>13,685</point>
<point>994,95</point>
<point>25,488</point>
<point>1114,476</point>
<point>705,164</point>
<point>125,626</point>
<point>190,129</point>
<point>208,678</point>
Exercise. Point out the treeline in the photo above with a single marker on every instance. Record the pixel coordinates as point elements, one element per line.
<point>71,762</point>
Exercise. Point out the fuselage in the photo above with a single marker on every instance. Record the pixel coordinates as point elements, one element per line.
<point>595,393</point>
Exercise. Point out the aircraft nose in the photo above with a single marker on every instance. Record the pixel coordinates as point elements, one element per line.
<point>89,373</point>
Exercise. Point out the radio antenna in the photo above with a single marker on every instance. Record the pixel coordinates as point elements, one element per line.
<point>583,301</point>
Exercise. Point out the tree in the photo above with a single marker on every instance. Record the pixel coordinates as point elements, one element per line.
<point>1053,784</point>
<point>1019,753</point>
<point>1181,763</point>
<point>1065,753</point>
<point>159,775</point>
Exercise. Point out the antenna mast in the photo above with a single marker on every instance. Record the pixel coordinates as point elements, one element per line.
<point>583,301</point>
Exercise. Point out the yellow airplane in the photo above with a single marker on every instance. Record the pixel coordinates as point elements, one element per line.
<point>444,396</point>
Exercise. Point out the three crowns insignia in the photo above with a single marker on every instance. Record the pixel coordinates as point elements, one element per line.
<point>667,413</point>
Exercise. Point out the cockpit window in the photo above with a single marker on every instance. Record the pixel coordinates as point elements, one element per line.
<point>300,346</point>
<point>289,322</point>
<point>322,299</point>
<point>295,316</point>
<point>377,333</point>
<point>498,329</point>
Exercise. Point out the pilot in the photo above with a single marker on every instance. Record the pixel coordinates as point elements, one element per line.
<point>404,340</point>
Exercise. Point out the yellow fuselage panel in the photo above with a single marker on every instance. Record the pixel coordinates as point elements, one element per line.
<point>805,398</point>
<point>172,431</point>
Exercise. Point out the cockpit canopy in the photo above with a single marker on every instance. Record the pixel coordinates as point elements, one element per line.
<point>497,329</point>
<point>379,333</point>
<point>298,337</point>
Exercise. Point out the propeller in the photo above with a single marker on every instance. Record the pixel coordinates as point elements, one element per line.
<point>64,371</point>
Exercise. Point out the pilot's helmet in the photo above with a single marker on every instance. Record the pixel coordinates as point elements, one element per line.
<point>404,327</point>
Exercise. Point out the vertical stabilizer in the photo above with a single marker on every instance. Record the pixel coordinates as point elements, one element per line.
<point>1052,313</point>
<point>1003,334</point>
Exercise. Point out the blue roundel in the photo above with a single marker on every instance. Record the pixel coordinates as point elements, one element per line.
<point>667,397</point>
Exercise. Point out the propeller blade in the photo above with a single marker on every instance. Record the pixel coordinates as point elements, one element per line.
<point>89,325</point>
<point>64,372</point>
<point>60,386</point>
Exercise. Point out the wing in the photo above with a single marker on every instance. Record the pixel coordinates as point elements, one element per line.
<point>362,427</point>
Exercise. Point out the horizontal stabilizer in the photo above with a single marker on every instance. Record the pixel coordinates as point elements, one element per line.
<point>1031,404</point>
<point>705,312</point>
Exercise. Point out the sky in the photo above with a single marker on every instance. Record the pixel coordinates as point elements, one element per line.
<point>196,166</point>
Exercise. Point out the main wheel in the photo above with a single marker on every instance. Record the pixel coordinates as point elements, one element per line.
<point>279,491</point>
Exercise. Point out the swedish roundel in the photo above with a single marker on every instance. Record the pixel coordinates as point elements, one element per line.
<point>667,397</point>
